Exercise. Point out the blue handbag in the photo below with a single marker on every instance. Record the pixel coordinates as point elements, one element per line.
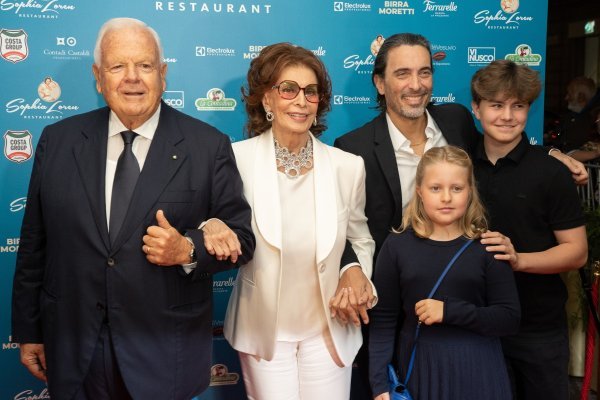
<point>399,390</point>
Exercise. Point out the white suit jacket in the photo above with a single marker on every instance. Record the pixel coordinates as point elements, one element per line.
<point>339,179</point>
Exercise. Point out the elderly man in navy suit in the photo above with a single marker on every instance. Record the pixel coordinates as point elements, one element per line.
<point>112,292</point>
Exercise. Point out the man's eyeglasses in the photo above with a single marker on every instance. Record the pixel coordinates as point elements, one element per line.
<point>289,90</point>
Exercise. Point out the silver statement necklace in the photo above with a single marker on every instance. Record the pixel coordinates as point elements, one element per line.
<point>292,163</point>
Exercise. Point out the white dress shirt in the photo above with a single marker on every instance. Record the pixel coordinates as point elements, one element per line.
<point>406,159</point>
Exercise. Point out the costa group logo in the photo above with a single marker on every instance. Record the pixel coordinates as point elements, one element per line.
<point>17,146</point>
<point>42,9</point>
<point>49,92</point>
<point>396,8</point>
<point>439,10</point>
<point>341,6</point>
<point>18,204</point>
<point>203,51</point>
<point>220,375</point>
<point>13,45</point>
<point>507,17</point>
<point>174,98</point>
<point>212,8</point>
<point>481,55</point>
<point>215,100</point>
<point>524,55</point>
<point>339,100</point>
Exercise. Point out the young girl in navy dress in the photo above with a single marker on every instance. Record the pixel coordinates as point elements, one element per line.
<point>458,354</point>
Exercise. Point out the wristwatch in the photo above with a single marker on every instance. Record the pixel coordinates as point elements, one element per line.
<point>193,257</point>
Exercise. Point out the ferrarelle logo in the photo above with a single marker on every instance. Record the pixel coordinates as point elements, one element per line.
<point>50,8</point>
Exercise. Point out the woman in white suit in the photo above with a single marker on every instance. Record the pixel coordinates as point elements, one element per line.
<point>307,199</point>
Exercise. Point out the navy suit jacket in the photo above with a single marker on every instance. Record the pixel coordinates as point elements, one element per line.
<point>372,142</point>
<point>68,276</point>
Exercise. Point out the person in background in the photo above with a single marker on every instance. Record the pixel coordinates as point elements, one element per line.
<point>307,199</point>
<point>577,125</point>
<point>531,199</point>
<point>458,355</point>
<point>110,299</point>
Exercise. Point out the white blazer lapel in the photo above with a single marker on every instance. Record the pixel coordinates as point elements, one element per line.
<point>325,200</point>
<point>266,203</point>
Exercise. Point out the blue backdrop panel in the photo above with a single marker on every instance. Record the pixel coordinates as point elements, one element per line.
<point>208,47</point>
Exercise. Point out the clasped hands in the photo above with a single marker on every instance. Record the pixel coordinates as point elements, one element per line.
<point>165,246</point>
<point>353,297</point>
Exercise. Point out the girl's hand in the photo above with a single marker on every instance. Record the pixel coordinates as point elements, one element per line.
<point>430,311</point>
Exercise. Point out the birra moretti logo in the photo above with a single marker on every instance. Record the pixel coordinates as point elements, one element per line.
<point>13,45</point>
<point>17,146</point>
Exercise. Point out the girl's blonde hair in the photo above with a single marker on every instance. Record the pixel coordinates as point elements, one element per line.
<point>472,223</point>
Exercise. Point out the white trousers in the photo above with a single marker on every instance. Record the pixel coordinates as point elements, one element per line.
<point>302,370</point>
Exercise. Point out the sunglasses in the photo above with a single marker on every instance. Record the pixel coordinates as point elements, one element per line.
<point>289,90</point>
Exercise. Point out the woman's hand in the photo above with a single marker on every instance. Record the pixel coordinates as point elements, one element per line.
<point>430,311</point>
<point>382,396</point>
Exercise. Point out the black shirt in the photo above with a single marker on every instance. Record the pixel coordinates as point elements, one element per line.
<point>528,196</point>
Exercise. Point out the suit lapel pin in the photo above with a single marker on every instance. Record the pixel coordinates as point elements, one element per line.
<point>174,156</point>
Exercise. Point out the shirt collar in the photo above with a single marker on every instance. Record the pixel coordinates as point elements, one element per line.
<point>514,155</point>
<point>146,130</point>
<point>398,138</point>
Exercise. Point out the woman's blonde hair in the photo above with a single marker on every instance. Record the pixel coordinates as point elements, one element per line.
<point>472,223</point>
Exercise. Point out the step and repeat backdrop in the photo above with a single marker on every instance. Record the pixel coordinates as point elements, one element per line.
<point>46,50</point>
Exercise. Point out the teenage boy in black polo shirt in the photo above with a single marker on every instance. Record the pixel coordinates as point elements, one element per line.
<point>531,198</point>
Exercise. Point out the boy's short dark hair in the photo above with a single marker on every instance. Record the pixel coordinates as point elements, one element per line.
<point>506,79</point>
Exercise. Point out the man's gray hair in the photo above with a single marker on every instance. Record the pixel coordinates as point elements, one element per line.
<point>120,23</point>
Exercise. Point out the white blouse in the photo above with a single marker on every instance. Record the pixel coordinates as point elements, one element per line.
<point>301,314</point>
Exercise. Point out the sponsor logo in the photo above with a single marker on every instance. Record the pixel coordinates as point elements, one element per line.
<point>169,60</point>
<point>11,246</point>
<point>49,92</point>
<point>524,55</point>
<point>361,65</point>
<point>533,141</point>
<point>202,51</point>
<point>449,98</point>
<point>215,100</point>
<point>13,45</point>
<point>9,345</point>
<point>66,41</point>
<point>440,53</point>
<point>340,6</point>
<point>253,51</point>
<point>29,395</point>
<point>342,99</point>
<point>223,285</point>
<point>174,98</point>
<point>39,9</point>
<point>17,146</point>
<point>509,6</point>
<point>220,375</point>
<point>396,8</point>
<point>439,10</point>
<point>507,17</point>
<point>481,55</point>
<point>212,8</point>
<point>68,53</point>
<point>18,204</point>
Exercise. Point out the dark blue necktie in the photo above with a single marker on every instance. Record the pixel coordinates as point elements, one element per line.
<point>126,175</point>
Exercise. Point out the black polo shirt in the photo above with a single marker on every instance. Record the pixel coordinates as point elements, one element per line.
<point>528,196</point>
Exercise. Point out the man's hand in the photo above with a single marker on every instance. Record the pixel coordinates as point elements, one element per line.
<point>497,242</point>
<point>578,170</point>
<point>382,396</point>
<point>164,245</point>
<point>34,358</point>
<point>220,241</point>
<point>353,297</point>
<point>430,311</point>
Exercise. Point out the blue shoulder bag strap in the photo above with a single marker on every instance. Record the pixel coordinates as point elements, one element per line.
<point>435,288</point>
